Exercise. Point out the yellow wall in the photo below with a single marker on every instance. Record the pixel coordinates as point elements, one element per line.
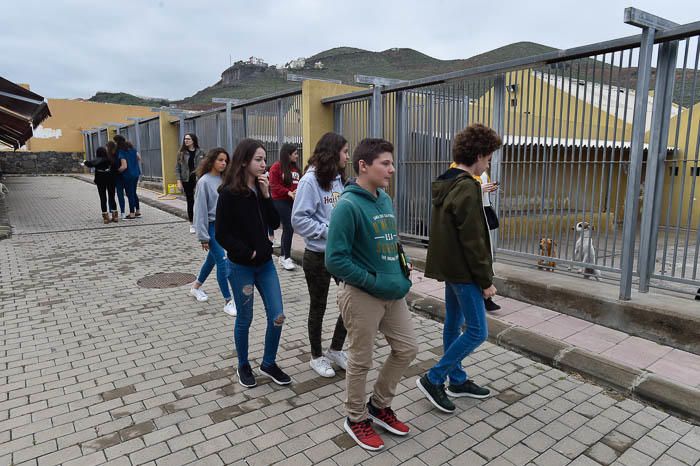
<point>317,117</point>
<point>61,131</point>
<point>169,147</point>
<point>683,190</point>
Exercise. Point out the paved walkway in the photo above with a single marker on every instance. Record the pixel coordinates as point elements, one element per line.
<point>679,366</point>
<point>96,369</point>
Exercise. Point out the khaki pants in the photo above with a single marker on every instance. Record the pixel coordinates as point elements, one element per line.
<point>363,315</point>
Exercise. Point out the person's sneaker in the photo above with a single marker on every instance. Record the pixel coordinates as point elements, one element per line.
<point>322,366</point>
<point>122,215</point>
<point>198,294</point>
<point>435,394</point>
<point>387,419</point>
<point>339,358</point>
<point>469,389</point>
<point>491,305</point>
<point>192,230</point>
<point>288,263</point>
<point>276,374</point>
<point>230,308</point>
<point>363,433</point>
<point>245,376</point>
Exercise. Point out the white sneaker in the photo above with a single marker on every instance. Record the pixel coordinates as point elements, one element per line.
<point>198,294</point>
<point>230,308</point>
<point>192,230</point>
<point>322,366</point>
<point>287,263</point>
<point>122,216</point>
<point>339,358</point>
<point>276,243</point>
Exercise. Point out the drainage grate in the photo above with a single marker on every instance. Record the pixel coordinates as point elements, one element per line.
<point>166,280</point>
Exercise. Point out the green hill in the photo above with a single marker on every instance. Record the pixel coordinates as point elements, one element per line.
<point>127,99</point>
<point>341,63</point>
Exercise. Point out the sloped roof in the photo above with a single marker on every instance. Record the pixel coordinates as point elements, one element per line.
<point>21,110</point>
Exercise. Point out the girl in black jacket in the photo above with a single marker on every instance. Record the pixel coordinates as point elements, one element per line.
<point>243,214</point>
<point>104,179</point>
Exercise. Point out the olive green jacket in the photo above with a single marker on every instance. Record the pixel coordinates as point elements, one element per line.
<point>460,245</point>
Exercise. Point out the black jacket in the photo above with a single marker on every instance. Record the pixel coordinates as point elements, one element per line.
<point>104,170</point>
<point>242,221</point>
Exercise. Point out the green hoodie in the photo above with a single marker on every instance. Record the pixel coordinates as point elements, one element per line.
<point>362,244</point>
<point>460,245</point>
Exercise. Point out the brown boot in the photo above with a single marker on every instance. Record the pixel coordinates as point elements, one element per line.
<point>105,218</point>
<point>115,216</point>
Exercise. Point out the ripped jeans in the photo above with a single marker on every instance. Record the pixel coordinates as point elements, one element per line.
<point>243,280</point>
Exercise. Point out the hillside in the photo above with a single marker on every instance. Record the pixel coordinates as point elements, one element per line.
<point>341,63</point>
<point>127,99</point>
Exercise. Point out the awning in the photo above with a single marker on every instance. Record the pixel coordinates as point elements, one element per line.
<point>21,110</point>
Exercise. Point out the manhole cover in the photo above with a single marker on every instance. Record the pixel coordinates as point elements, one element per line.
<point>165,280</point>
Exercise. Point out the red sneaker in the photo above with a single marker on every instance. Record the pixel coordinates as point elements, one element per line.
<point>363,433</point>
<point>387,419</point>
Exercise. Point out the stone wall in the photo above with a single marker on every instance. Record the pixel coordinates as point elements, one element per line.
<point>39,163</point>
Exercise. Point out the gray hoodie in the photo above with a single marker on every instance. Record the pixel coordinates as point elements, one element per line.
<point>205,197</point>
<point>312,209</point>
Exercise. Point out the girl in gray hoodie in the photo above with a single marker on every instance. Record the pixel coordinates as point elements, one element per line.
<point>205,199</point>
<point>317,193</point>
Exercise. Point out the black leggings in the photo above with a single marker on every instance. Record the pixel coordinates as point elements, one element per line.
<point>318,280</point>
<point>106,191</point>
<point>284,208</point>
<point>188,187</point>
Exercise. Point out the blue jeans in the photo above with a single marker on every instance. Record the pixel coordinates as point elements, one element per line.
<point>130,184</point>
<point>464,302</point>
<point>243,281</point>
<point>216,256</point>
<point>119,186</point>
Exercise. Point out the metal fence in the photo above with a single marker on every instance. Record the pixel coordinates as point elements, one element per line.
<point>579,146</point>
<point>273,119</point>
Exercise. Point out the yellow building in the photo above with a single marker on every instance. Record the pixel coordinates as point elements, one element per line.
<point>61,132</point>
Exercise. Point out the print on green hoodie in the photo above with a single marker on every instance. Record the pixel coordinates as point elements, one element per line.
<point>362,244</point>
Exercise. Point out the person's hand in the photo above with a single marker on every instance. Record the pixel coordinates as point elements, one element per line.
<point>489,292</point>
<point>205,245</point>
<point>292,194</point>
<point>179,185</point>
<point>264,184</point>
<point>253,256</point>
<point>489,187</point>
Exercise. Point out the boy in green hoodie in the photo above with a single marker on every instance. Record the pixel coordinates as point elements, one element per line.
<point>363,251</point>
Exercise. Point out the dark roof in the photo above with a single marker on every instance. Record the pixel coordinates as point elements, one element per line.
<point>21,110</point>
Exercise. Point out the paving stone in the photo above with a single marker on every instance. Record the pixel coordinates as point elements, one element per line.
<point>129,375</point>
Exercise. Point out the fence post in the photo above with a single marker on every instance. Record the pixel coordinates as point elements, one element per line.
<point>376,112</point>
<point>218,130</point>
<point>280,125</point>
<point>656,157</point>
<point>498,123</point>
<point>245,122</point>
<point>229,127</point>
<point>400,153</point>
<point>337,119</point>
<point>99,137</point>
<point>649,24</point>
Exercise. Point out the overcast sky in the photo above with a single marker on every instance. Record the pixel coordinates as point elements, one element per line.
<point>173,48</point>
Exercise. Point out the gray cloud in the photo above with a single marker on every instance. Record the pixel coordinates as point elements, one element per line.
<point>172,48</point>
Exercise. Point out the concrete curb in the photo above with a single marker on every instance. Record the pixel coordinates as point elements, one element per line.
<point>680,399</point>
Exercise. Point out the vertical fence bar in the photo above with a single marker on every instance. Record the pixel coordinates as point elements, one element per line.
<point>376,112</point>
<point>280,125</point>
<point>498,123</point>
<point>635,167</point>
<point>656,158</point>
<point>401,145</point>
